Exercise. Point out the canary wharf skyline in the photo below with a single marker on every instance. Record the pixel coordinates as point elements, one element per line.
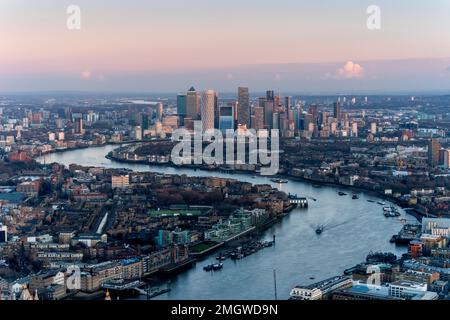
<point>165,47</point>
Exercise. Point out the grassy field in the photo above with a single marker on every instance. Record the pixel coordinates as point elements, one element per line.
<point>202,246</point>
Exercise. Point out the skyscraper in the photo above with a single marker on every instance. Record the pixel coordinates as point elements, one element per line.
<point>181,104</point>
<point>258,118</point>
<point>79,126</point>
<point>433,152</point>
<point>192,104</point>
<point>181,107</point>
<point>207,102</point>
<point>145,122</point>
<point>268,114</point>
<point>337,111</point>
<point>243,106</point>
<point>226,117</point>
<point>159,111</point>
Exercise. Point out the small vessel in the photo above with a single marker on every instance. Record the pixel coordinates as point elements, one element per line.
<point>381,203</point>
<point>217,266</point>
<point>213,267</point>
<point>319,230</point>
<point>279,180</point>
<point>355,196</point>
<point>342,193</point>
<point>372,201</point>
<point>208,267</point>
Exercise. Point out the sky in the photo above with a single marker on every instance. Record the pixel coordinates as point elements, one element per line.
<point>167,46</point>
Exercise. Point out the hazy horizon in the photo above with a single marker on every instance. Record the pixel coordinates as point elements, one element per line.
<point>288,46</point>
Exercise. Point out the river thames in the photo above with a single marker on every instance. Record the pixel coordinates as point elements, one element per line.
<point>353,228</point>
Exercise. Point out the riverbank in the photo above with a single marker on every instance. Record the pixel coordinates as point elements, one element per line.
<point>353,228</point>
<point>415,213</point>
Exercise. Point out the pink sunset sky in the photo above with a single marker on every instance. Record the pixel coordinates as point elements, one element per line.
<point>166,46</point>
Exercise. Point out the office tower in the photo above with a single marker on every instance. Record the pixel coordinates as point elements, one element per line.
<point>314,111</point>
<point>207,109</point>
<point>444,158</point>
<point>323,118</point>
<point>270,95</point>
<point>226,117</point>
<point>306,121</point>
<point>433,152</point>
<point>288,108</point>
<point>333,129</point>
<point>268,114</point>
<point>288,102</point>
<point>275,121</point>
<point>192,104</point>
<point>354,129</point>
<point>258,118</point>
<point>277,103</point>
<point>145,122</point>
<point>235,105</point>
<point>159,110</point>
<point>181,107</point>
<point>181,104</point>
<point>216,111</point>
<point>3,234</point>
<point>337,111</point>
<point>79,126</point>
<point>138,133</point>
<point>243,107</point>
<point>283,122</point>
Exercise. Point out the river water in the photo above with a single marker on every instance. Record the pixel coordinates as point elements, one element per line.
<point>353,228</point>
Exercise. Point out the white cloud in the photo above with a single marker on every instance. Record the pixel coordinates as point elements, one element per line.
<point>349,71</point>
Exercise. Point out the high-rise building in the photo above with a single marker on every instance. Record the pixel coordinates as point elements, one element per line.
<point>268,114</point>
<point>138,133</point>
<point>79,126</point>
<point>207,102</point>
<point>243,107</point>
<point>270,95</point>
<point>192,104</point>
<point>226,117</point>
<point>337,111</point>
<point>159,110</point>
<point>314,110</point>
<point>3,233</point>
<point>145,122</point>
<point>354,129</point>
<point>444,158</point>
<point>258,118</point>
<point>433,152</point>
<point>305,121</point>
<point>181,105</point>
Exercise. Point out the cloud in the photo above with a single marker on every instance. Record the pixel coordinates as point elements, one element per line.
<point>349,71</point>
<point>86,74</point>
